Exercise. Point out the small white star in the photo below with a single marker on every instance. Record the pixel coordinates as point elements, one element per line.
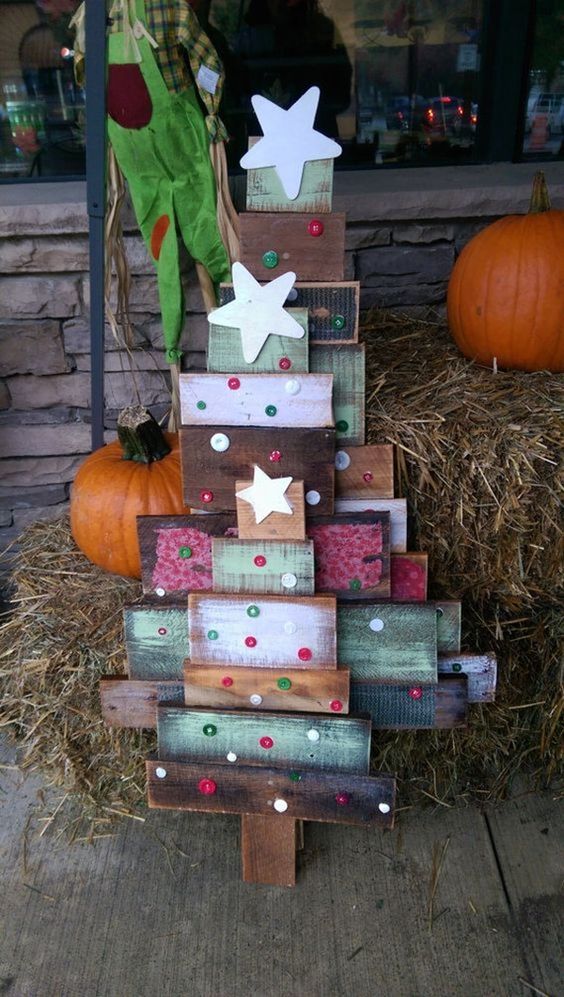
<point>289,140</point>
<point>266,495</point>
<point>257,311</point>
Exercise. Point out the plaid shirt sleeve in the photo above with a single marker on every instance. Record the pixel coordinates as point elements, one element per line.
<point>201,53</point>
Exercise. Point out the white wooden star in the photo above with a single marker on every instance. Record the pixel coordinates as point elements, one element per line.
<point>257,311</point>
<point>266,495</point>
<point>289,140</point>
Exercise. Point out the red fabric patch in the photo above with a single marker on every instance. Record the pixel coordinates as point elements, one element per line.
<point>160,229</point>
<point>183,574</point>
<point>408,580</point>
<point>344,552</point>
<point>128,99</point>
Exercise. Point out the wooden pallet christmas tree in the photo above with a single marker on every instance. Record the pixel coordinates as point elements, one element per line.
<point>286,620</point>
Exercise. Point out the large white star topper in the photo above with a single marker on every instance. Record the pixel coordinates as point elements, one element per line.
<point>290,140</point>
<point>266,495</point>
<point>257,311</point>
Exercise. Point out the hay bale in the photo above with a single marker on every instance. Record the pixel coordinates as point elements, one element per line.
<point>477,457</point>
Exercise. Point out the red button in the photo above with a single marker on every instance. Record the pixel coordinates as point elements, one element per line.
<point>336,706</point>
<point>315,227</point>
<point>416,692</point>
<point>266,742</point>
<point>206,496</point>
<point>343,799</point>
<point>207,786</point>
<point>234,383</point>
<point>162,631</point>
<point>275,456</point>
<point>251,641</point>
<point>284,363</point>
<point>304,654</point>
<point>260,561</point>
<point>368,476</point>
<point>227,681</point>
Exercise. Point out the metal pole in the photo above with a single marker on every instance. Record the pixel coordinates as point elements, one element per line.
<point>96,200</point>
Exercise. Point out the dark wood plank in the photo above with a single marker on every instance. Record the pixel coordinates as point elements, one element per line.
<point>306,691</point>
<point>156,639</point>
<point>268,850</point>
<point>352,554</point>
<point>332,308</point>
<point>133,703</point>
<point>400,707</point>
<point>305,454</point>
<point>312,258</point>
<point>176,552</point>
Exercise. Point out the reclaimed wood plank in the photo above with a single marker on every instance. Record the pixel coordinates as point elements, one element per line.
<point>347,365</point>
<point>365,471</point>
<point>398,517</point>
<point>329,797</point>
<point>480,671</point>
<point>156,640</point>
<point>352,554</point>
<point>333,309</point>
<point>391,642</point>
<point>266,193</point>
<point>272,400</point>
<point>225,351</point>
<point>271,244</point>
<point>400,707</point>
<point>176,552</point>
<point>305,454</point>
<point>133,703</point>
<point>289,568</point>
<point>409,575</point>
<point>277,525</point>
<point>268,850</point>
<point>240,737</point>
<point>263,631</point>
<point>449,626</point>
<point>290,689</point>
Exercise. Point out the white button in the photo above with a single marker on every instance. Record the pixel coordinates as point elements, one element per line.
<point>255,699</point>
<point>231,756</point>
<point>220,442</point>
<point>313,735</point>
<point>292,386</point>
<point>160,592</point>
<point>292,295</point>
<point>376,625</point>
<point>290,628</point>
<point>342,460</point>
<point>160,773</point>
<point>313,498</point>
<point>280,806</point>
<point>384,808</point>
<point>289,581</point>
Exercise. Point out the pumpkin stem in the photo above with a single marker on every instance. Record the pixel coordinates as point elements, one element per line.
<point>540,198</point>
<point>140,435</point>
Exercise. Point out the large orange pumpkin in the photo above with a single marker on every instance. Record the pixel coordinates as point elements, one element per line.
<point>138,475</point>
<point>506,293</point>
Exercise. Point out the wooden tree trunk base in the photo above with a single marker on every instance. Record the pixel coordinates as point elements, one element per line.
<point>268,849</point>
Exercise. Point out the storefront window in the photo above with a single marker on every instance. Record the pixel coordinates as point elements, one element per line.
<point>41,107</point>
<point>544,113</point>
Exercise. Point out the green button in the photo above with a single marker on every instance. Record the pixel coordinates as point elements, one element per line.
<point>338,321</point>
<point>201,406</point>
<point>212,635</point>
<point>271,410</point>
<point>209,730</point>
<point>270,259</point>
<point>185,552</point>
<point>342,426</point>
<point>457,667</point>
<point>295,776</point>
<point>355,584</point>
<point>253,611</point>
<point>284,684</point>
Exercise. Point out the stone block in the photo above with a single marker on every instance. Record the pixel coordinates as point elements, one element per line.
<point>33,471</point>
<point>40,297</point>
<point>194,361</point>
<point>153,387</point>
<point>6,518</point>
<point>51,215</point>
<point>416,234</point>
<point>40,417</point>
<point>27,498</point>
<point>402,266</point>
<point>467,230</point>
<point>122,361</point>
<point>401,296</point>
<point>25,517</point>
<point>44,255</point>
<point>30,392</point>
<point>194,335</point>
<point>76,337</point>
<point>44,441</point>
<point>138,255</point>
<point>5,399</point>
<point>32,348</point>
<point>366,236</point>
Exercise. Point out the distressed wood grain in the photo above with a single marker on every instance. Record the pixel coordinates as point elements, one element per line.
<point>319,258</point>
<point>156,640</point>
<point>268,849</point>
<point>393,642</point>
<point>290,689</point>
<point>176,552</point>
<point>266,193</point>
<point>289,632</point>
<point>480,671</point>
<point>449,626</point>
<point>225,352</point>
<point>365,471</point>
<point>352,554</point>
<point>305,454</point>
<point>133,703</point>
<point>399,707</point>
<point>289,568</point>
<point>329,797</point>
<point>409,577</point>
<point>324,743</point>
<point>277,525</point>
<point>333,308</point>
<point>398,516</point>
<point>271,400</point>
<point>347,364</point>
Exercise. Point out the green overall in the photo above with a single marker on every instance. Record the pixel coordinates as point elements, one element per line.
<point>161,143</point>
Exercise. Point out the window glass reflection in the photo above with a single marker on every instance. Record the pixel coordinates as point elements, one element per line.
<point>544,112</point>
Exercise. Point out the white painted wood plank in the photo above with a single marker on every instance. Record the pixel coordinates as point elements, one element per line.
<point>299,401</point>
<point>398,517</point>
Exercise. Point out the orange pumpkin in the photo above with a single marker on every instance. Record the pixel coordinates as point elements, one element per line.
<point>506,293</point>
<point>138,475</point>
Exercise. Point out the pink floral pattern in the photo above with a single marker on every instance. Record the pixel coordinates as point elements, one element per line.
<point>408,580</point>
<point>347,556</point>
<point>172,571</point>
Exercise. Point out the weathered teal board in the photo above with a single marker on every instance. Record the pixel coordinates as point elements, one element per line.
<point>392,642</point>
<point>156,641</point>
<point>289,568</point>
<point>279,353</point>
<point>348,365</point>
<point>449,627</point>
<point>266,193</point>
<point>391,706</point>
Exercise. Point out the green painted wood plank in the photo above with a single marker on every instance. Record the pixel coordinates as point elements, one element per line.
<point>348,366</point>
<point>266,193</point>
<point>309,741</point>
<point>449,626</point>
<point>289,568</point>
<point>394,642</point>
<point>225,353</point>
<point>156,640</point>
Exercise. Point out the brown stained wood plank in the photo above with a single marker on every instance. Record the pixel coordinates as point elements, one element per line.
<point>312,258</point>
<point>176,552</point>
<point>409,577</point>
<point>133,702</point>
<point>332,308</point>
<point>268,850</point>
<point>364,471</point>
<point>331,797</point>
<point>305,454</point>
<point>289,689</point>
<point>480,671</point>
<point>277,525</point>
<point>352,554</point>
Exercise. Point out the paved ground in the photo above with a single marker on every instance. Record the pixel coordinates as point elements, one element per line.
<point>158,908</point>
